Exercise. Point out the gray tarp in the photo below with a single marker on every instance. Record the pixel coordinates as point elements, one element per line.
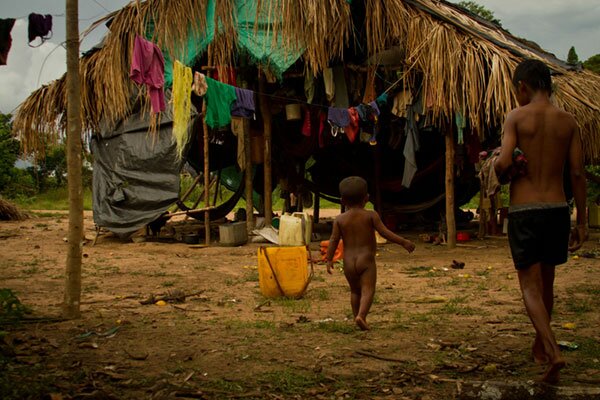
<point>136,176</point>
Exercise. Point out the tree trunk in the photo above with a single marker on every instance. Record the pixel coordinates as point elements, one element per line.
<point>73,277</point>
<point>450,220</point>
<point>266,116</point>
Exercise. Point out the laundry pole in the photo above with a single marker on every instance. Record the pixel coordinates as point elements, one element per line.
<point>265,112</point>
<point>450,218</point>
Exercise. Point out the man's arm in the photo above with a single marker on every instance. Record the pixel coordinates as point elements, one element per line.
<point>509,143</point>
<point>580,233</point>
<point>334,240</point>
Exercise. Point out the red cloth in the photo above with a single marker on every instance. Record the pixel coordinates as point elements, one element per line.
<point>352,129</point>
<point>6,26</point>
<point>148,66</point>
<point>306,125</point>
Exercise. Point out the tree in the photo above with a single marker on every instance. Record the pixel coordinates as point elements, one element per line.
<point>572,58</point>
<point>9,152</point>
<point>481,11</point>
<point>593,63</point>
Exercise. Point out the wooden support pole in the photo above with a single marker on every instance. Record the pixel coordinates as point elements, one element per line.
<point>72,295</point>
<point>248,177</point>
<point>317,207</point>
<point>450,218</point>
<point>377,180</point>
<point>265,111</point>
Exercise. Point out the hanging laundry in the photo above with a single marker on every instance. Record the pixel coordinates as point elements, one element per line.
<point>401,101</point>
<point>182,104</point>
<point>341,89</point>
<point>374,108</point>
<point>6,26</point>
<point>309,88</point>
<point>39,26</point>
<point>329,84</point>
<point>381,100</point>
<point>148,67</point>
<point>370,85</point>
<point>306,126</point>
<point>199,86</point>
<point>339,118</point>
<point>243,106</point>
<point>219,98</point>
<point>411,146</point>
<point>322,118</point>
<point>352,129</point>
<point>461,124</point>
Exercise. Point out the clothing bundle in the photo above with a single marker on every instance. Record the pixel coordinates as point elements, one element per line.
<point>39,26</point>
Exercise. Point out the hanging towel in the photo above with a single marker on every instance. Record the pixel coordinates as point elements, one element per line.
<point>39,26</point>
<point>6,26</point>
<point>309,88</point>
<point>182,104</point>
<point>411,146</point>
<point>461,124</point>
<point>148,67</point>
<point>199,87</point>
<point>244,104</point>
<point>219,98</point>
<point>352,129</point>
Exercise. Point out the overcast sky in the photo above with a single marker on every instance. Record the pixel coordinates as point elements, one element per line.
<point>556,25</point>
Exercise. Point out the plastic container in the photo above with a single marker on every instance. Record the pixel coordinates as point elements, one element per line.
<point>295,229</point>
<point>293,112</point>
<point>234,234</point>
<point>283,271</point>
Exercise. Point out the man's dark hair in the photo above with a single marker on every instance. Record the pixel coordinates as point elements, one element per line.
<point>353,190</point>
<point>534,74</point>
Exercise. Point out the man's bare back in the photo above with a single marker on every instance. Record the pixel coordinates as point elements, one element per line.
<point>544,133</point>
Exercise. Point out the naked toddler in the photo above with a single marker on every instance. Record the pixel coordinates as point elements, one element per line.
<point>357,226</point>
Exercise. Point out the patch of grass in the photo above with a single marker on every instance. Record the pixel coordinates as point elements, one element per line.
<point>455,306</point>
<point>11,307</point>
<point>225,386</point>
<point>53,199</point>
<point>250,276</point>
<point>293,305</point>
<point>320,293</point>
<point>40,225</point>
<point>578,305</point>
<point>318,278</point>
<point>592,290</point>
<point>336,327</point>
<point>290,382</point>
<point>156,274</point>
<point>167,284</point>
<point>244,325</point>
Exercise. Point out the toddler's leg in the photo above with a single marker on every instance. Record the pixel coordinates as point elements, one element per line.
<point>355,291</point>
<point>368,280</point>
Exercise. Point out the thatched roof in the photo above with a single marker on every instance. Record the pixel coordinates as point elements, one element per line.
<point>466,62</point>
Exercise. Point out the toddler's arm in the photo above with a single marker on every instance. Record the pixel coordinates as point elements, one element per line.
<point>334,240</point>
<point>391,236</point>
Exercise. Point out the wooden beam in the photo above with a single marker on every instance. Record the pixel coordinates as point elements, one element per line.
<point>450,219</point>
<point>206,168</point>
<point>248,177</point>
<point>265,111</point>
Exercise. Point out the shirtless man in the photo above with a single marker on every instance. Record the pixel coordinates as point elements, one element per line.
<point>539,220</point>
<point>356,227</point>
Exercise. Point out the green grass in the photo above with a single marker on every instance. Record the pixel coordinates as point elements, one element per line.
<point>293,305</point>
<point>336,327</point>
<point>53,199</point>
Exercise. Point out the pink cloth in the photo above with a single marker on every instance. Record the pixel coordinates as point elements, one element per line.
<point>352,129</point>
<point>148,66</point>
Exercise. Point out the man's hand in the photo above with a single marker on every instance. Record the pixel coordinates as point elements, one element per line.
<point>579,234</point>
<point>330,267</point>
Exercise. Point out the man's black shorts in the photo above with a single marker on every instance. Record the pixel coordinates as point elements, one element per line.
<point>539,233</point>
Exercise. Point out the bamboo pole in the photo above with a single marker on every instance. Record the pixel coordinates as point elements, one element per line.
<point>450,218</point>
<point>206,168</point>
<point>266,116</point>
<point>72,295</point>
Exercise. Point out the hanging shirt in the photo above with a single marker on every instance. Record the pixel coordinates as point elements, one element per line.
<point>182,104</point>
<point>219,98</point>
<point>352,129</point>
<point>148,67</point>
<point>39,26</point>
<point>6,26</point>
<point>338,116</point>
<point>244,103</point>
<point>411,146</point>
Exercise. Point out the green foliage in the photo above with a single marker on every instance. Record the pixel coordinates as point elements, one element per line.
<point>593,63</point>
<point>593,188</point>
<point>481,11</point>
<point>11,308</point>
<point>572,58</point>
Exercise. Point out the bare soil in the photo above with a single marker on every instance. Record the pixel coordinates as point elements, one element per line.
<point>433,327</point>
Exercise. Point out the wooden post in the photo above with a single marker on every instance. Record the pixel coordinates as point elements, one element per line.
<point>248,177</point>
<point>265,111</point>
<point>72,295</point>
<point>206,167</point>
<point>450,219</point>
<point>377,180</point>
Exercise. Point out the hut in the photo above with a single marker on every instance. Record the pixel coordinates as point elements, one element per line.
<point>454,65</point>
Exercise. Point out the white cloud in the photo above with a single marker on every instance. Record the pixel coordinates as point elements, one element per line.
<point>24,66</point>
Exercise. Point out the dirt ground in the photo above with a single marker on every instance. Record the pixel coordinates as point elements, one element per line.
<point>434,328</point>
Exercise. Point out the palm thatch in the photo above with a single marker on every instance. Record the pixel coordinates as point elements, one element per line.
<point>465,63</point>
<point>10,212</point>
